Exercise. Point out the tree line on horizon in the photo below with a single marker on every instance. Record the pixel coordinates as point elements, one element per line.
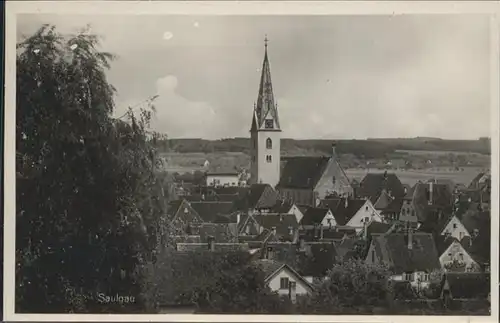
<point>369,148</point>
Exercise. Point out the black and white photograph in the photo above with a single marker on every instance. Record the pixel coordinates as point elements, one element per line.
<point>250,161</point>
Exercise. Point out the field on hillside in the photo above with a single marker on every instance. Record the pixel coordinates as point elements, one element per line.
<point>410,177</point>
<point>230,161</point>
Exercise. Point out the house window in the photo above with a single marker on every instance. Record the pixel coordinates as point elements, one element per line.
<point>269,124</point>
<point>284,283</point>
<point>269,158</point>
<point>269,143</point>
<point>461,256</point>
<point>425,277</point>
<point>454,225</point>
<point>407,276</point>
<point>366,208</point>
<point>403,212</point>
<point>367,219</point>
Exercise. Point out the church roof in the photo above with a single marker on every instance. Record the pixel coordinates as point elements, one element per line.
<point>265,107</point>
<point>373,184</point>
<point>302,172</point>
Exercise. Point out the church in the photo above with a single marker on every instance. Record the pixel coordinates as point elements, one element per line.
<point>303,180</point>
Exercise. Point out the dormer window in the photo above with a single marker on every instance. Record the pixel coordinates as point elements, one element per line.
<point>269,124</point>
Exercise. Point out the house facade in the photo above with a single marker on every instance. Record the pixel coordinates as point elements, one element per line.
<point>456,259</point>
<point>222,179</point>
<point>455,229</point>
<point>365,215</point>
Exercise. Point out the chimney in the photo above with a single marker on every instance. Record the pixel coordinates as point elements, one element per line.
<point>281,217</point>
<point>406,190</point>
<point>321,233</point>
<point>302,243</point>
<point>211,243</point>
<point>410,239</point>
<point>334,150</point>
<point>273,230</point>
<point>269,254</point>
<point>203,197</point>
<point>238,218</point>
<point>346,202</point>
<point>292,291</point>
<point>431,191</point>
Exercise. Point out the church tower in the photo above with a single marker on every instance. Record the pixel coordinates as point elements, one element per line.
<point>265,132</point>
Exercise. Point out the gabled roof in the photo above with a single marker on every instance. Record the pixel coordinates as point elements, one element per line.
<point>383,200</point>
<point>302,172</point>
<point>314,215</point>
<point>482,179</point>
<point>443,242</point>
<point>393,207</point>
<point>373,183</point>
<point>283,223</point>
<point>393,249</point>
<point>468,285</point>
<point>377,228</point>
<point>220,232</point>
<point>258,196</point>
<point>343,213</point>
<point>209,211</point>
<point>346,248</point>
<point>200,197</point>
<point>329,234</point>
<point>331,203</point>
<point>441,200</point>
<point>281,206</point>
<point>271,268</point>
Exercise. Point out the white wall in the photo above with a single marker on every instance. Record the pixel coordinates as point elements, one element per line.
<point>453,254</point>
<point>367,210</point>
<point>295,211</point>
<point>274,284</point>
<point>329,215</point>
<point>221,180</point>
<point>459,232</point>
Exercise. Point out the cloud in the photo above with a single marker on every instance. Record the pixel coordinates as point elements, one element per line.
<point>180,116</point>
<point>334,76</point>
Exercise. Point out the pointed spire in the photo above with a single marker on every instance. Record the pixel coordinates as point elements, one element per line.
<point>266,107</point>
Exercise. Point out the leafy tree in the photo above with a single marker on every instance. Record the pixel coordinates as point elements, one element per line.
<point>351,286</point>
<point>88,197</point>
<point>215,282</point>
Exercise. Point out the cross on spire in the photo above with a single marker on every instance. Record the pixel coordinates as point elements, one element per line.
<point>265,41</point>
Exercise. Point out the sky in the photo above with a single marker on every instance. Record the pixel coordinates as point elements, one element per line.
<point>334,77</point>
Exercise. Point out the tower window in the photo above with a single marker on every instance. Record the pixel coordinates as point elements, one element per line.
<point>269,158</point>
<point>269,143</point>
<point>269,124</point>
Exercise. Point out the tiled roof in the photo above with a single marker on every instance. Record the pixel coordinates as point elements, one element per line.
<point>469,285</point>
<point>443,242</point>
<point>441,200</point>
<point>219,247</point>
<point>173,207</point>
<point>317,259</point>
<point>200,197</point>
<point>343,214</point>
<point>393,207</point>
<point>285,224</point>
<point>313,215</point>
<point>383,201</point>
<point>269,266</point>
<point>281,206</point>
<point>331,203</point>
<point>377,228</point>
<point>393,248</point>
<point>373,183</point>
<point>208,211</point>
<point>333,234</point>
<point>346,248</point>
<point>220,232</point>
<point>257,196</point>
<point>482,179</point>
<point>302,172</point>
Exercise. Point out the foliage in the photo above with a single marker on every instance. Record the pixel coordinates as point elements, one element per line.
<point>88,197</point>
<point>352,284</point>
<point>215,282</point>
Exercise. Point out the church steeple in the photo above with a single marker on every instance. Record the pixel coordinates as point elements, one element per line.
<point>266,112</point>
<point>265,132</point>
